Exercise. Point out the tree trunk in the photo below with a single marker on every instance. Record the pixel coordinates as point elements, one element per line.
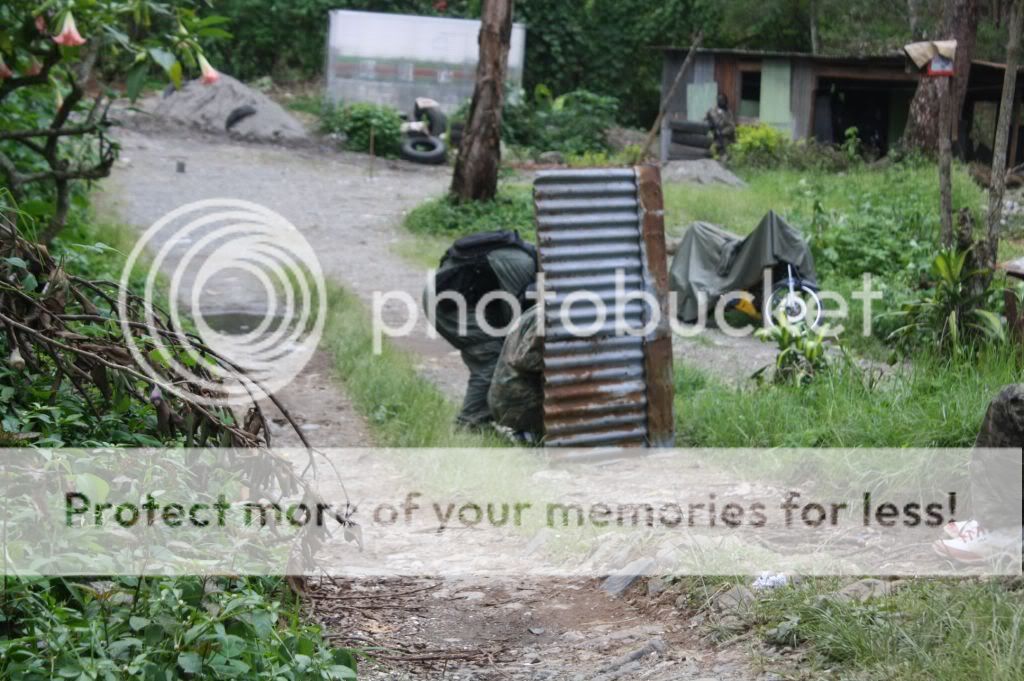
<point>960,23</point>
<point>945,160</point>
<point>1006,115</point>
<point>476,169</point>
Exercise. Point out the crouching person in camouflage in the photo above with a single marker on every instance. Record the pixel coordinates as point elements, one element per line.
<point>475,266</point>
<point>517,388</point>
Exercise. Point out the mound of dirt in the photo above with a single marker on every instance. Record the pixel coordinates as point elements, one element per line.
<point>252,114</point>
<point>703,171</point>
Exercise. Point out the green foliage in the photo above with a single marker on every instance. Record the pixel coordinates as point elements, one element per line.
<point>511,209</point>
<point>936,402</point>
<point>759,145</point>
<point>144,628</point>
<point>361,122</point>
<point>954,315</point>
<point>288,40</point>
<point>573,124</point>
<point>955,630</point>
<point>802,351</point>
<point>763,146</point>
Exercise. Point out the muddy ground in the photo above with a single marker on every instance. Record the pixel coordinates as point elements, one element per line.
<point>350,209</point>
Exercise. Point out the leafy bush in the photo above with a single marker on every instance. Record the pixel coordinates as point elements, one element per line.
<point>150,628</point>
<point>802,351</point>
<point>759,145</point>
<point>573,124</point>
<point>358,122</point>
<point>511,209</point>
<point>952,315</point>
<point>763,146</point>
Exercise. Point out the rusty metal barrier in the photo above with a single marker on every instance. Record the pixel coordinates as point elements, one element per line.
<point>606,389</point>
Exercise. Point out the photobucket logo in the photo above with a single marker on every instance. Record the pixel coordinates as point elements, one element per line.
<point>619,310</point>
<point>222,255</point>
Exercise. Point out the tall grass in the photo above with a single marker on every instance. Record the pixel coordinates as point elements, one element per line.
<point>933,403</point>
<point>949,630</point>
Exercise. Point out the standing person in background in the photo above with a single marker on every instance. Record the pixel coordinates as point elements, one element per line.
<point>722,124</point>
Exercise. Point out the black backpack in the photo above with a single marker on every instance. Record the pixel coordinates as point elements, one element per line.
<point>465,268</point>
<point>475,247</point>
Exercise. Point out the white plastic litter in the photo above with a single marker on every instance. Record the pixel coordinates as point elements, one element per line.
<point>766,580</point>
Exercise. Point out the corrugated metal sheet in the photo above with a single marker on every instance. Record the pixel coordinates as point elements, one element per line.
<point>602,389</point>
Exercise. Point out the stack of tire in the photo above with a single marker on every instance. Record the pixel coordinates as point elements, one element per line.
<point>423,148</point>
<point>691,140</point>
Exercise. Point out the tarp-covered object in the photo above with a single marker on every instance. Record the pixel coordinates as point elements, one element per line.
<point>715,261</point>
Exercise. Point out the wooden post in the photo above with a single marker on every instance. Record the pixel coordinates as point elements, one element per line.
<point>1015,132</point>
<point>945,161</point>
<point>668,97</point>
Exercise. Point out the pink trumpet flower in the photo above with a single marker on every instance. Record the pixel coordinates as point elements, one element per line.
<point>69,35</point>
<point>34,68</point>
<point>5,70</point>
<point>209,74</point>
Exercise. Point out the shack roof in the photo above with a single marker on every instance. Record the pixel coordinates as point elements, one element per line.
<point>894,59</point>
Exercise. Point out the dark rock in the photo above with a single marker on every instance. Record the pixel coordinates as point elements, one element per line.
<point>1004,422</point>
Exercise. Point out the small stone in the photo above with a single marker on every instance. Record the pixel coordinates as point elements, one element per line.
<point>536,631</point>
<point>615,585</point>
<point>738,598</point>
<point>655,586</point>
<point>863,590</point>
<point>551,157</point>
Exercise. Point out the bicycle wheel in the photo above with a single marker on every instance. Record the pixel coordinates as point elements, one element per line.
<point>802,304</point>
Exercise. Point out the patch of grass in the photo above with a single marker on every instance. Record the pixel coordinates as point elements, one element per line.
<point>512,209</point>
<point>934,403</point>
<point>929,629</point>
<point>792,194</point>
<point>307,103</point>
<point>403,408</point>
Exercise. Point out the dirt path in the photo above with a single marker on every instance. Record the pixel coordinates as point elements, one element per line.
<point>453,628</point>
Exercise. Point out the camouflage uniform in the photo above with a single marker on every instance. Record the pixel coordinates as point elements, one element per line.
<point>516,394</point>
<point>723,127</point>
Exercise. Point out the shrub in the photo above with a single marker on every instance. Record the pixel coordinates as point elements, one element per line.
<point>951,316</point>
<point>802,351</point>
<point>511,209</point>
<point>573,124</point>
<point>759,145</point>
<point>763,146</point>
<point>356,121</point>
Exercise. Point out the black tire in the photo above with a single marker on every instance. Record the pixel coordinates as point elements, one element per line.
<point>427,150</point>
<point>691,139</point>
<point>680,152</point>
<point>689,127</point>
<point>237,114</point>
<point>436,120</point>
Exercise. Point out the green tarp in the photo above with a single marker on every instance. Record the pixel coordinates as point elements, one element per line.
<point>714,261</point>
